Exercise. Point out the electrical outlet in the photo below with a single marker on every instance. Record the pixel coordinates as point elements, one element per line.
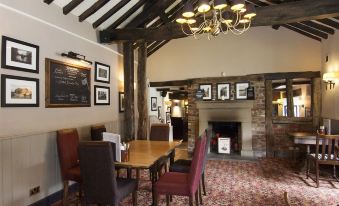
<point>34,190</point>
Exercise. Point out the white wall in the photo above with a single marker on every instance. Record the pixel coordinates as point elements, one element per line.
<point>330,99</point>
<point>260,50</point>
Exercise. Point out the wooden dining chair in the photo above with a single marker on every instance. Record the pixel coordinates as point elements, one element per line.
<point>326,153</point>
<point>67,144</point>
<point>101,187</point>
<point>96,132</point>
<point>183,184</point>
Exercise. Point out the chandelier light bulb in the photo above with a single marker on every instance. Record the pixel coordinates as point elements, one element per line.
<point>204,6</point>
<point>191,21</point>
<point>220,4</point>
<point>188,10</point>
<point>250,12</point>
<point>237,5</point>
<point>181,20</point>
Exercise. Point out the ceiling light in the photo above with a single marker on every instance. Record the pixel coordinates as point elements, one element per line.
<point>220,4</point>
<point>188,10</point>
<point>181,20</point>
<point>204,6</point>
<point>250,12</point>
<point>237,5</point>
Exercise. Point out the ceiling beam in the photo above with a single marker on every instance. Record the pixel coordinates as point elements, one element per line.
<point>158,46</point>
<point>71,5</point>
<point>310,30</point>
<point>91,10</point>
<point>48,1</point>
<point>126,15</point>
<point>329,22</point>
<point>301,32</point>
<point>320,27</point>
<point>110,13</point>
<point>266,16</point>
<point>337,18</point>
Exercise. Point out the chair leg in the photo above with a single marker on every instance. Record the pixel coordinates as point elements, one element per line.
<point>167,200</point>
<point>307,168</point>
<point>190,200</point>
<point>197,198</point>
<point>65,197</point>
<point>135,197</point>
<point>203,183</point>
<point>156,199</point>
<point>317,173</point>
<point>200,195</point>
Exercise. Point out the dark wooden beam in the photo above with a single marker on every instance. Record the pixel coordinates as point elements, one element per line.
<point>319,27</point>
<point>91,10</point>
<point>290,75</point>
<point>266,16</point>
<point>337,17</point>
<point>257,2</point>
<point>129,91</point>
<point>142,92</point>
<point>48,1</point>
<point>310,30</point>
<point>110,13</point>
<point>329,22</point>
<point>301,32</point>
<point>169,83</point>
<point>159,45</point>
<point>276,27</point>
<point>71,5</point>
<point>126,15</point>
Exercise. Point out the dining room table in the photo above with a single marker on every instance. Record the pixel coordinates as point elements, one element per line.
<point>145,154</point>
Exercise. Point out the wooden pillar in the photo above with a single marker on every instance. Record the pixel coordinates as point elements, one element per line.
<point>316,102</point>
<point>290,104</point>
<point>129,91</point>
<point>268,120</point>
<point>142,92</point>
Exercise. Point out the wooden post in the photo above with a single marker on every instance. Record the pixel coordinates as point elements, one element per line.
<point>129,91</point>
<point>290,104</point>
<point>142,91</point>
<point>268,116</point>
<point>316,101</point>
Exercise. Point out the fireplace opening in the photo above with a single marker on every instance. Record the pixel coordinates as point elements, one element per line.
<point>226,137</point>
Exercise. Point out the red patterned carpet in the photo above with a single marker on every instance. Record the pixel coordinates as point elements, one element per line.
<point>260,182</point>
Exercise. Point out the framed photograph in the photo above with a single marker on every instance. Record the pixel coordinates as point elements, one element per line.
<point>224,145</point>
<point>19,91</point>
<point>102,72</point>
<point>19,55</point>
<point>154,104</point>
<point>121,102</point>
<point>241,90</point>
<point>207,91</point>
<point>223,91</point>
<point>101,95</point>
<point>168,117</point>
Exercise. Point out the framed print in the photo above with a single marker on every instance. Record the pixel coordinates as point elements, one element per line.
<point>102,72</point>
<point>224,145</point>
<point>19,55</point>
<point>67,85</point>
<point>19,91</point>
<point>223,91</point>
<point>241,90</point>
<point>121,102</point>
<point>168,117</point>
<point>154,104</point>
<point>101,95</point>
<point>207,91</point>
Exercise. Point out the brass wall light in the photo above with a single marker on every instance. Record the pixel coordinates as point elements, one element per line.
<point>329,78</point>
<point>76,56</point>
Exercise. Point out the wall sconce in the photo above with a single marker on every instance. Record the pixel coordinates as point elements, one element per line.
<point>76,56</point>
<point>329,78</point>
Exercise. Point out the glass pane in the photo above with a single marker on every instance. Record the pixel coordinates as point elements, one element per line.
<point>302,97</point>
<point>279,98</point>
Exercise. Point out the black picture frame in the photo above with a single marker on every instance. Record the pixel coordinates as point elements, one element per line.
<point>29,85</point>
<point>154,104</point>
<point>241,90</point>
<point>19,55</point>
<point>207,90</point>
<point>121,102</point>
<point>220,87</point>
<point>100,69</point>
<point>102,95</point>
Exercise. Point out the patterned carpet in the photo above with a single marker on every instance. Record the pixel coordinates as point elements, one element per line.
<point>260,182</point>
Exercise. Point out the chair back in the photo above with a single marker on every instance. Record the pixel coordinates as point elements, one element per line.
<point>197,163</point>
<point>326,148</point>
<point>96,132</point>
<point>207,145</point>
<point>97,170</point>
<point>159,132</point>
<point>67,144</point>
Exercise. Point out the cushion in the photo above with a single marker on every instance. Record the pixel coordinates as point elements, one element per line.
<point>173,183</point>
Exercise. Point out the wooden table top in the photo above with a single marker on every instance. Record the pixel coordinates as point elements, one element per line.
<point>303,134</point>
<point>144,153</point>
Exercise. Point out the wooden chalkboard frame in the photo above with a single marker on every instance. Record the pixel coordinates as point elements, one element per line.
<point>48,84</point>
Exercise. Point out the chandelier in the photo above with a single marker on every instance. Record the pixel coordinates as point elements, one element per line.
<point>220,16</point>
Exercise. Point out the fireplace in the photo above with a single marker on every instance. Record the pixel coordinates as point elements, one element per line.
<point>222,129</point>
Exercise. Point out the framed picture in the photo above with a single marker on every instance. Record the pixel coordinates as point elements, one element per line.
<point>19,91</point>
<point>121,102</point>
<point>154,104</point>
<point>241,90</point>
<point>224,145</point>
<point>168,117</point>
<point>19,55</point>
<point>102,72</point>
<point>223,91</point>
<point>207,91</point>
<point>101,95</point>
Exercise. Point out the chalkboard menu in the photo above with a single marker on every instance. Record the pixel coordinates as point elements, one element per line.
<point>67,85</point>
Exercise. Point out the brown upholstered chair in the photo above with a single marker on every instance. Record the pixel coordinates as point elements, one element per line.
<point>326,153</point>
<point>96,132</point>
<point>100,184</point>
<point>159,132</point>
<point>67,144</point>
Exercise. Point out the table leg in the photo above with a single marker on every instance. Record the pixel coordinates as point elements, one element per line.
<point>138,177</point>
<point>129,172</point>
<point>153,170</point>
<point>172,155</point>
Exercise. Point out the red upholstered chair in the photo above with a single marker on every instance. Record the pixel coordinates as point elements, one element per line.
<point>183,184</point>
<point>67,143</point>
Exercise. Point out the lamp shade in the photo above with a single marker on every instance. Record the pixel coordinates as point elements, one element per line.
<point>330,76</point>
<point>188,11</point>
<point>237,5</point>
<point>250,11</point>
<point>219,4</point>
<point>227,17</point>
<point>180,20</point>
<point>204,6</point>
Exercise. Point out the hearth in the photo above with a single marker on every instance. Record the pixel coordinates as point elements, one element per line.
<point>223,130</point>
